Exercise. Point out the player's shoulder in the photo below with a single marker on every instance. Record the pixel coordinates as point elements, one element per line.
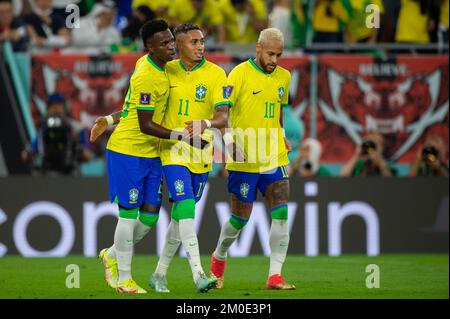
<point>211,67</point>
<point>282,72</point>
<point>173,65</point>
<point>241,68</point>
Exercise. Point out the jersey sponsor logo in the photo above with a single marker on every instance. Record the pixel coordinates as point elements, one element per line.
<point>179,187</point>
<point>145,99</point>
<point>256,92</point>
<point>244,188</point>
<point>133,195</point>
<point>280,92</point>
<point>226,91</point>
<point>200,91</point>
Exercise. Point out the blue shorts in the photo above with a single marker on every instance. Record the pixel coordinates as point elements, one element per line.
<point>245,185</point>
<point>183,184</point>
<point>134,180</point>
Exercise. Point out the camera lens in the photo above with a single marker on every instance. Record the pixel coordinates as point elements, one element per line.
<point>368,147</point>
<point>429,154</point>
<point>306,165</point>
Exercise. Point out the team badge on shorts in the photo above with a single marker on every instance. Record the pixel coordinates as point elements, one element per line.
<point>226,91</point>
<point>280,92</point>
<point>244,189</point>
<point>133,195</point>
<point>179,187</point>
<point>145,99</point>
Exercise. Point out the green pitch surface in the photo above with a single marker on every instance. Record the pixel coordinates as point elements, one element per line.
<point>401,276</point>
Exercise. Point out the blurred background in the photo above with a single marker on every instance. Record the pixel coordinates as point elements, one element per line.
<point>368,97</point>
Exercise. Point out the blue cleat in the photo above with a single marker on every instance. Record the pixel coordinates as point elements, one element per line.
<point>204,284</point>
<point>158,283</point>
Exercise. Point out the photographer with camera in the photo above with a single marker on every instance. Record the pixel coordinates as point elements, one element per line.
<point>58,147</point>
<point>430,159</point>
<point>368,159</point>
<point>307,164</point>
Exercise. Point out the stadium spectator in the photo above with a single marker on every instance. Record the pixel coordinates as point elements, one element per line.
<point>12,29</point>
<point>97,28</point>
<point>329,18</point>
<point>159,7</point>
<point>44,27</point>
<point>356,29</point>
<point>204,13</point>
<point>307,163</point>
<point>443,20</point>
<point>243,19</point>
<point>130,34</point>
<point>415,22</point>
<point>59,145</point>
<point>430,158</point>
<point>388,21</point>
<point>368,158</point>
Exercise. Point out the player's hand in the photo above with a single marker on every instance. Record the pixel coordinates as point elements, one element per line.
<point>288,145</point>
<point>99,127</point>
<point>195,128</point>
<point>196,142</point>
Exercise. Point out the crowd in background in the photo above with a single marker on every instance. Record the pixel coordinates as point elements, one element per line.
<point>115,25</point>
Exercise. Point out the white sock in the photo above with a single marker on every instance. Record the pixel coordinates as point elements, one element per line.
<point>171,244</point>
<point>190,244</point>
<point>228,235</point>
<point>123,242</point>
<point>279,241</point>
<point>140,230</point>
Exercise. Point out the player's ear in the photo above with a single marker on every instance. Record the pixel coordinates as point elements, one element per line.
<point>258,47</point>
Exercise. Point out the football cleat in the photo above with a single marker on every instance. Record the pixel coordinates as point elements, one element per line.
<point>158,283</point>
<point>129,286</point>
<point>110,266</point>
<point>204,284</point>
<point>278,283</point>
<point>217,270</point>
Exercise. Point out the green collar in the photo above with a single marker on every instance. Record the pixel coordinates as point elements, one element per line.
<point>149,59</point>
<point>252,62</point>
<point>198,66</point>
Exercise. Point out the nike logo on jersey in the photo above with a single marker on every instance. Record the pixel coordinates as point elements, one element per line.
<point>256,92</point>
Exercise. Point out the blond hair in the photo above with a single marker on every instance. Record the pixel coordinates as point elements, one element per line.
<point>271,34</point>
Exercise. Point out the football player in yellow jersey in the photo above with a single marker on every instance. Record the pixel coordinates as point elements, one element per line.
<point>134,166</point>
<point>258,90</point>
<point>197,99</point>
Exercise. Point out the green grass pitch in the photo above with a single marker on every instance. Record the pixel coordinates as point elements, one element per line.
<point>401,276</point>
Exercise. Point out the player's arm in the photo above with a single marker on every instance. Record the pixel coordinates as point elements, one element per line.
<point>286,142</point>
<point>219,121</point>
<point>102,122</point>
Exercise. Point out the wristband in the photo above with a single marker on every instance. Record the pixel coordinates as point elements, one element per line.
<point>208,123</point>
<point>284,132</point>
<point>109,120</point>
<point>228,139</point>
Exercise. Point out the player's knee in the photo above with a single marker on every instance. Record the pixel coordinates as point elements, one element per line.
<point>148,219</point>
<point>128,213</point>
<point>186,209</point>
<point>279,212</point>
<point>238,222</point>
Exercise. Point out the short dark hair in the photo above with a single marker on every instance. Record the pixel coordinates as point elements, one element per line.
<point>185,28</point>
<point>150,28</point>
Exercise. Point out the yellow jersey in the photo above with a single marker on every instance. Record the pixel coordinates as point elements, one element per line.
<point>238,26</point>
<point>148,90</point>
<point>322,22</point>
<point>412,25</point>
<point>183,11</point>
<point>194,95</point>
<point>256,100</point>
<point>152,4</point>
<point>357,28</point>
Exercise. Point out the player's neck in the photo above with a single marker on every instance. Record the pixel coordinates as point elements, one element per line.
<point>259,65</point>
<point>158,62</point>
<point>189,65</point>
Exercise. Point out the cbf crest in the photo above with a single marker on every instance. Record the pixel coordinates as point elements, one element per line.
<point>244,189</point>
<point>133,195</point>
<point>179,187</point>
<point>281,92</point>
<point>200,91</point>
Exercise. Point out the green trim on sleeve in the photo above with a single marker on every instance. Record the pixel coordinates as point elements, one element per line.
<point>222,103</point>
<point>145,108</point>
<point>284,105</point>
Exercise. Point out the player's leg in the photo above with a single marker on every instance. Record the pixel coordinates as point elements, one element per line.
<point>172,242</point>
<point>242,189</point>
<point>127,188</point>
<point>275,188</point>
